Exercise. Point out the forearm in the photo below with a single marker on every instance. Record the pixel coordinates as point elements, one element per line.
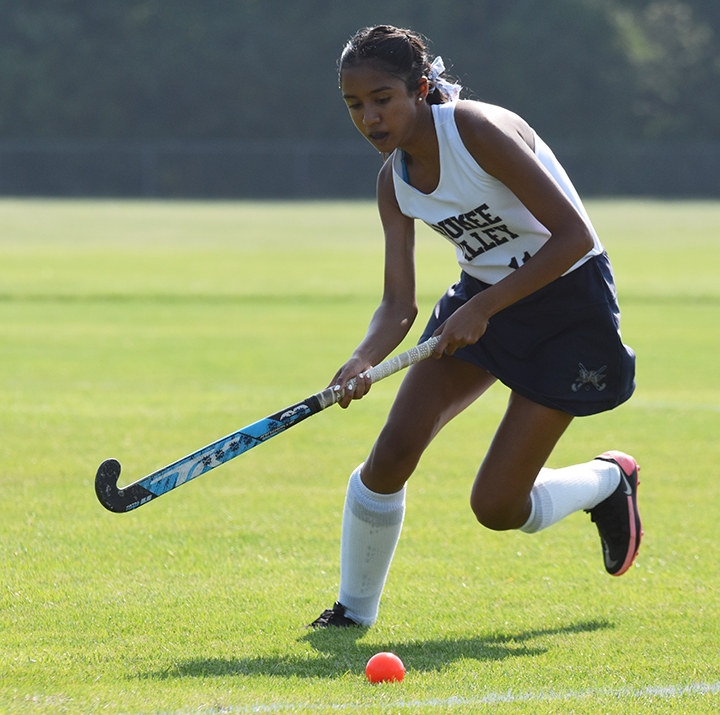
<point>388,327</point>
<point>557,256</point>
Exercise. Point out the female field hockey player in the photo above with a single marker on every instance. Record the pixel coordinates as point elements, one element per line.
<point>535,308</point>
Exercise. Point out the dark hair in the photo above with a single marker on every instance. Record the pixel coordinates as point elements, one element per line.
<point>402,53</point>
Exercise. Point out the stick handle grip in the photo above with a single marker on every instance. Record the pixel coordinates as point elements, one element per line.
<point>401,361</point>
<point>330,396</point>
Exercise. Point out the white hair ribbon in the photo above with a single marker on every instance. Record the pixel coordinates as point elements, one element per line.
<point>449,89</point>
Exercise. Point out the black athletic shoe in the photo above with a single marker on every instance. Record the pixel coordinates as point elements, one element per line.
<point>617,518</point>
<point>333,618</point>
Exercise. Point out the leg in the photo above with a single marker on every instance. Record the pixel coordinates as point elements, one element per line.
<point>514,491</point>
<point>521,446</point>
<point>432,393</point>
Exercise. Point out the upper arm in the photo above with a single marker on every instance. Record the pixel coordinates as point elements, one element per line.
<point>399,231</point>
<point>499,141</point>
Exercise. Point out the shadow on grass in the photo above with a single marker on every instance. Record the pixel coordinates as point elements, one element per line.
<point>340,651</point>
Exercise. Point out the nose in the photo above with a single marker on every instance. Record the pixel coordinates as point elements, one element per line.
<point>370,116</point>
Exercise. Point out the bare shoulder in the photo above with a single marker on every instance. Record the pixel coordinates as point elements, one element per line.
<point>502,143</point>
<point>481,123</point>
<point>385,178</point>
<point>390,213</point>
<point>386,184</point>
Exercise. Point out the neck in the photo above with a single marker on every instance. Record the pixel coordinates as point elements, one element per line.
<point>422,145</point>
<point>422,158</point>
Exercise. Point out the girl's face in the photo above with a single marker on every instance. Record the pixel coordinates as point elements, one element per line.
<point>380,106</point>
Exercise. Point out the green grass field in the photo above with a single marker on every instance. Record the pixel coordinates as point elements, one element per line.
<point>146,330</point>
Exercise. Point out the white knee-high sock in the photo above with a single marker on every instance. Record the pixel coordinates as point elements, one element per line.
<point>559,492</point>
<point>370,532</point>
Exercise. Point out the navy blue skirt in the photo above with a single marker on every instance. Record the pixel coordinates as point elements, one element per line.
<point>560,346</point>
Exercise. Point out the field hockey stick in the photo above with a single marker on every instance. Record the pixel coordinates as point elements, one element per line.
<point>227,448</point>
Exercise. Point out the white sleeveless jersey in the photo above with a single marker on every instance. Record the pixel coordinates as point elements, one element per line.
<point>492,231</point>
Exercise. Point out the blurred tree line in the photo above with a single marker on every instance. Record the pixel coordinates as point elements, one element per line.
<point>578,70</point>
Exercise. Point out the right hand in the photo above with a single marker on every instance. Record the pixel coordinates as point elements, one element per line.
<point>353,368</point>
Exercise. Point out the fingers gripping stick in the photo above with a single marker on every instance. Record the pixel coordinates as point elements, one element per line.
<point>227,448</point>
<point>390,367</point>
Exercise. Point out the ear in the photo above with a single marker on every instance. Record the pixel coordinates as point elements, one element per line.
<point>423,89</point>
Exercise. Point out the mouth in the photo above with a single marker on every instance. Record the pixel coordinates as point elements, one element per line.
<point>378,137</point>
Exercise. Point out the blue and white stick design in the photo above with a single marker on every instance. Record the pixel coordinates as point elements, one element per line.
<point>227,448</point>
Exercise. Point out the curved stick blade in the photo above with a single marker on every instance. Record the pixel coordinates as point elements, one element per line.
<point>112,498</point>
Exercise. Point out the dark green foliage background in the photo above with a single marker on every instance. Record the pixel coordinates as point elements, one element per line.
<point>155,69</point>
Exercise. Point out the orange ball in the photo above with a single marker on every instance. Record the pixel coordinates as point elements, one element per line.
<point>384,667</point>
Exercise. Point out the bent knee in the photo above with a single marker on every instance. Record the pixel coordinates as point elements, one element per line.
<point>499,515</point>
